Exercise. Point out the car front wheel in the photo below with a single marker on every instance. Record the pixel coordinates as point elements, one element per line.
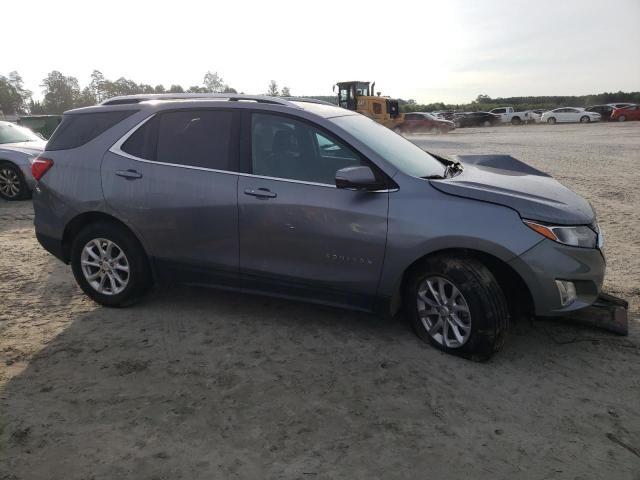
<point>456,304</point>
<point>551,121</point>
<point>110,265</point>
<point>622,118</point>
<point>12,183</point>
<point>585,119</point>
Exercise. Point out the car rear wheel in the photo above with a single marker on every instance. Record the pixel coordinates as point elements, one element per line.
<point>456,304</point>
<point>551,121</point>
<point>585,119</point>
<point>486,123</point>
<point>12,183</point>
<point>516,121</point>
<point>622,118</point>
<point>434,130</point>
<point>110,265</point>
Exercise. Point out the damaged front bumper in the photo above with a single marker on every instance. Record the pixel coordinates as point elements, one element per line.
<point>607,312</point>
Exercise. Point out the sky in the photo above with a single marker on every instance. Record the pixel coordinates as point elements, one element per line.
<point>444,50</point>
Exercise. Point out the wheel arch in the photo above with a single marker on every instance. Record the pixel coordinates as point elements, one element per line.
<point>515,289</point>
<point>79,222</point>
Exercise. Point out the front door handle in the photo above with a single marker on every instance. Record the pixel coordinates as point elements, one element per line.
<point>129,174</point>
<point>260,193</point>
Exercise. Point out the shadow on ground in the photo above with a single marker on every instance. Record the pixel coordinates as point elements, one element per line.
<point>194,383</point>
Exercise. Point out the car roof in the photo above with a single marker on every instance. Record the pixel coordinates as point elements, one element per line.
<point>195,100</point>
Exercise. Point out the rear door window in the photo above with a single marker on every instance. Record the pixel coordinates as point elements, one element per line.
<point>195,138</point>
<point>78,129</point>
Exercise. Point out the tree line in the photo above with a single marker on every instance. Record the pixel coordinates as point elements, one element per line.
<point>62,92</point>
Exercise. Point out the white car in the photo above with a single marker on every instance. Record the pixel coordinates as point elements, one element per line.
<point>569,114</point>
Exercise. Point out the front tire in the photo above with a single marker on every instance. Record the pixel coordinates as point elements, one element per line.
<point>12,183</point>
<point>456,304</point>
<point>110,265</point>
<point>551,121</point>
<point>585,119</point>
<point>622,118</point>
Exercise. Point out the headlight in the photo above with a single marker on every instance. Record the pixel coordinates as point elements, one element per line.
<point>577,236</point>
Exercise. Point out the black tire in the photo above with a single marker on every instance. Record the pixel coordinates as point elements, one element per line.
<point>489,311</point>
<point>486,123</point>
<point>585,119</point>
<point>10,172</point>
<point>139,276</point>
<point>622,118</point>
<point>551,121</point>
<point>516,121</point>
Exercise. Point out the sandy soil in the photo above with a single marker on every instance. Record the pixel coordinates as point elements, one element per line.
<point>193,383</point>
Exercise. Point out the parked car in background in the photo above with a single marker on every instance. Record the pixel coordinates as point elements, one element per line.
<point>569,115</point>
<point>632,112</point>
<point>476,119</point>
<point>315,202</point>
<point>423,122</point>
<point>41,124</point>
<point>604,111</point>
<point>18,146</point>
<point>620,105</point>
<point>510,115</point>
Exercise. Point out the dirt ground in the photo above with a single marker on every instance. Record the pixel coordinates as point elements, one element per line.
<point>199,384</point>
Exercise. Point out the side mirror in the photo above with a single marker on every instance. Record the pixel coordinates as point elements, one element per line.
<point>357,178</point>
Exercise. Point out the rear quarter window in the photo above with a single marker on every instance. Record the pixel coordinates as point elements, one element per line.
<point>80,128</point>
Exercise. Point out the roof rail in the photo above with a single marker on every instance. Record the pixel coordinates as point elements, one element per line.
<point>308,100</point>
<point>231,97</point>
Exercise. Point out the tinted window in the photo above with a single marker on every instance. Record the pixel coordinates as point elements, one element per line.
<point>199,138</point>
<point>79,128</point>
<point>499,110</point>
<point>142,143</point>
<point>286,148</point>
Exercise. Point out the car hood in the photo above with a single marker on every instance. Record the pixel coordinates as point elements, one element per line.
<point>503,180</point>
<point>30,148</point>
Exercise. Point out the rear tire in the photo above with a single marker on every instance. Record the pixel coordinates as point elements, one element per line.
<point>96,254</point>
<point>434,130</point>
<point>516,121</point>
<point>487,319</point>
<point>622,118</point>
<point>585,119</point>
<point>486,123</point>
<point>551,121</point>
<point>13,186</point>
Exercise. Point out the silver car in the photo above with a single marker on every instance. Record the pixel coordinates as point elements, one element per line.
<point>18,147</point>
<point>310,201</point>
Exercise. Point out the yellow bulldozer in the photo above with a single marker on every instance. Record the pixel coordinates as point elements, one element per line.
<point>360,97</point>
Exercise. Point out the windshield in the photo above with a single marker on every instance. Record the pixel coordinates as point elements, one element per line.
<point>402,154</point>
<point>10,133</point>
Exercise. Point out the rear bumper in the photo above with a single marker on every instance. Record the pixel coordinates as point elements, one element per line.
<point>549,261</point>
<point>51,245</point>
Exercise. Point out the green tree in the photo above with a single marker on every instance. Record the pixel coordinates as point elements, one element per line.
<point>159,89</point>
<point>285,92</point>
<point>213,82</point>
<point>97,86</point>
<point>176,89</point>
<point>60,92</point>
<point>273,91</point>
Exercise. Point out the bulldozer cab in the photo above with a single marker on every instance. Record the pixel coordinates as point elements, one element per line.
<point>349,91</point>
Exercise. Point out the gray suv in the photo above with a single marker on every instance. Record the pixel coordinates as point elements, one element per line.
<point>310,201</point>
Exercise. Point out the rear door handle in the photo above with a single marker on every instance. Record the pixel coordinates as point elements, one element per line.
<point>129,174</point>
<point>260,193</point>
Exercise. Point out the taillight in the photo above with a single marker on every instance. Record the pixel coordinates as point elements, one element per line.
<point>40,166</point>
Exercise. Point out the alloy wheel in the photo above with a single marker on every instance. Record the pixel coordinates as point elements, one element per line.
<point>105,266</point>
<point>9,182</point>
<point>444,312</point>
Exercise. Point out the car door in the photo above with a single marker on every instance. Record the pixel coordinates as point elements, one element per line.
<point>174,181</point>
<point>301,236</point>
